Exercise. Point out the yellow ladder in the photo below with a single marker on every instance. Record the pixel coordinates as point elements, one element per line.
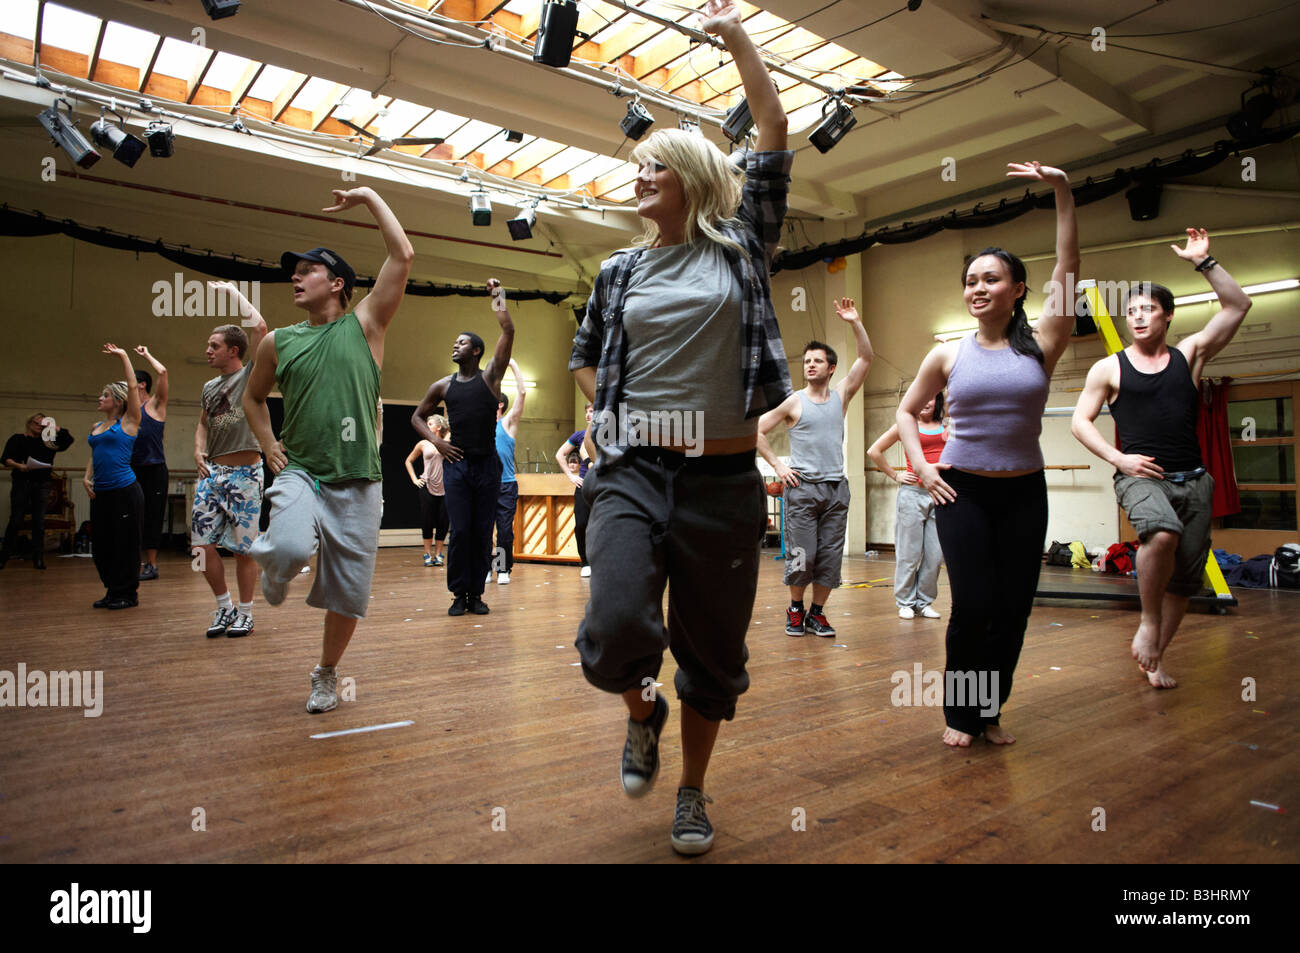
<point>1212,576</point>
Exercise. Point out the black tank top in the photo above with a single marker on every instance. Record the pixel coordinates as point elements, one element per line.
<point>472,416</point>
<point>1155,414</point>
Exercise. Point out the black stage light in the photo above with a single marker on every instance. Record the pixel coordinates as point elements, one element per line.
<point>127,149</point>
<point>217,9</point>
<point>555,32</point>
<point>480,207</point>
<point>514,135</point>
<point>521,228</point>
<point>1144,201</point>
<point>833,126</point>
<point>161,140</point>
<point>738,121</point>
<point>65,134</point>
<point>1249,123</point>
<point>637,121</point>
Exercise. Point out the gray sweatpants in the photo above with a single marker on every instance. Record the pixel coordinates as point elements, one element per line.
<point>816,517</point>
<point>339,519</point>
<point>916,549</point>
<point>696,533</point>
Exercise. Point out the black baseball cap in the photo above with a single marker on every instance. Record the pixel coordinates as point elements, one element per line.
<point>331,260</point>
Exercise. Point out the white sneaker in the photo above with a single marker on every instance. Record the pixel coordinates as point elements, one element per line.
<point>928,613</point>
<point>906,613</point>
<point>488,580</point>
<point>586,572</point>
<point>243,625</point>
<point>324,691</point>
<point>503,578</point>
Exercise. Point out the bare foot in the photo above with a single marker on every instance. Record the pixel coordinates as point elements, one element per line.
<point>956,739</point>
<point>997,735</point>
<point>1160,678</point>
<point>1144,647</point>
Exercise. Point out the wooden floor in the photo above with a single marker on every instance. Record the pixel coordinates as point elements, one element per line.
<point>504,719</point>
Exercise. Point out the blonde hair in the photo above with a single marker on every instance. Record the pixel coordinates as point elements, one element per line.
<point>710,185</point>
<point>438,422</point>
<point>117,390</point>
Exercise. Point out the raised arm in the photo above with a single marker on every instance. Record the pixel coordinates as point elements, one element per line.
<point>160,385</point>
<point>495,372</point>
<point>852,382</point>
<point>1233,303</point>
<point>930,379</point>
<point>1057,320</point>
<point>130,416</point>
<point>250,319</point>
<point>261,379</point>
<point>376,312</point>
<point>722,17</point>
<point>516,413</point>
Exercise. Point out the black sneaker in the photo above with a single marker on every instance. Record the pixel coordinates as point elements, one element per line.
<point>38,563</point>
<point>478,606</point>
<point>101,603</point>
<point>817,625</point>
<point>641,751</point>
<point>222,619</point>
<point>126,602</point>
<point>793,621</point>
<point>692,832</point>
<point>458,606</point>
<point>150,571</point>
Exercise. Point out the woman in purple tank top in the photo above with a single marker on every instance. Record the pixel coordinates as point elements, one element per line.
<point>989,485</point>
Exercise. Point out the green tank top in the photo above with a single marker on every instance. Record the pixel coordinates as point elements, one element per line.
<point>330,384</point>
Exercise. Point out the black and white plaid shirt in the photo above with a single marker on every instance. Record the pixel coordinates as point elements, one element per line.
<point>601,343</point>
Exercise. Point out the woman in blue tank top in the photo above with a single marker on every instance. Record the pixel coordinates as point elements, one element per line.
<point>989,484</point>
<point>116,500</point>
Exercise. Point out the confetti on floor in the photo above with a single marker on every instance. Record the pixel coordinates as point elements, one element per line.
<point>1056,668</point>
<point>1269,807</point>
<point>406,620</point>
<point>839,645</point>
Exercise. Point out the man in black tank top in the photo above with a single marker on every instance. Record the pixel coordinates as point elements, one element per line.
<point>1152,390</point>
<point>471,469</point>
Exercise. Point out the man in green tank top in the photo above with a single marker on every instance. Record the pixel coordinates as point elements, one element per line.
<point>326,495</point>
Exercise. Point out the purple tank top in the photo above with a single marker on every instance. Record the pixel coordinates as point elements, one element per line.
<point>995,409</point>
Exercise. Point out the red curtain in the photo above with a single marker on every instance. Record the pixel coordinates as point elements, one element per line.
<point>1216,446</point>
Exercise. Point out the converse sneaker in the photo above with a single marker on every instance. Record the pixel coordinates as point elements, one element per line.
<point>929,613</point>
<point>641,751</point>
<point>428,560</point>
<point>692,832</point>
<point>905,612</point>
<point>793,621</point>
<point>273,592</point>
<point>222,619</point>
<point>324,690</point>
<point>816,624</point>
<point>242,626</point>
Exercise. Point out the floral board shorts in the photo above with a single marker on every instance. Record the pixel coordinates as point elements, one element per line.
<point>227,507</point>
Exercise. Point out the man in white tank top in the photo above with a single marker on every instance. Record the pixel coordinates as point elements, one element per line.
<point>816,491</point>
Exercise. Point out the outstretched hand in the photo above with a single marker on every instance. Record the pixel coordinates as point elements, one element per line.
<point>498,295</point>
<point>142,350</point>
<point>718,15</point>
<point>1197,248</point>
<point>347,199</point>
<point>845,309</point>
<point>113,349</point>
<point>1035,171</point>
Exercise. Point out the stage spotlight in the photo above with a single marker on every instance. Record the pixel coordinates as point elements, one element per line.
<point>637,121</point>
<point>161,140</point>
<point>738,121</point>
<point>217,9</point>
<point>555,33</point>
<point>1144,201</point>
<point>514,135</point>
<point>127,149</point>
<point>521,228</point>
<point>480,207</point>
<point>65,134</point>
<point>1249,123</point>
<point>833,126</point>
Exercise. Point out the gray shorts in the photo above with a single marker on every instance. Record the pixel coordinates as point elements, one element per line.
<point>696,533</point>
<point>1182,508</point>
<point>816,518</point>
<point>341,520</point>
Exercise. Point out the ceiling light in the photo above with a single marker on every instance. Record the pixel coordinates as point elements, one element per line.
<point>521,228</point>
<point>1267,287</point>
<point>127,149</point>
<point>160,138</point>
<point>480,207</point>
<point>555,31</point>
<point>837,120</point>
<point>514,135</point>
<point>65,134</point>
<point>637,121</point>
<point>738,121</point>
<point>217,9</point>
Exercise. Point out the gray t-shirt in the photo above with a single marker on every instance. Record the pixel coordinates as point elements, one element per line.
<point>223,399</point>
<point>682,318</point>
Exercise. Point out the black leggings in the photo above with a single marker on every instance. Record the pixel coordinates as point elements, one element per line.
<point>153,484</point>
<point>115,539</point>
<point>992,540</point>
<point>581,513</point>
<point>433,515</point>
